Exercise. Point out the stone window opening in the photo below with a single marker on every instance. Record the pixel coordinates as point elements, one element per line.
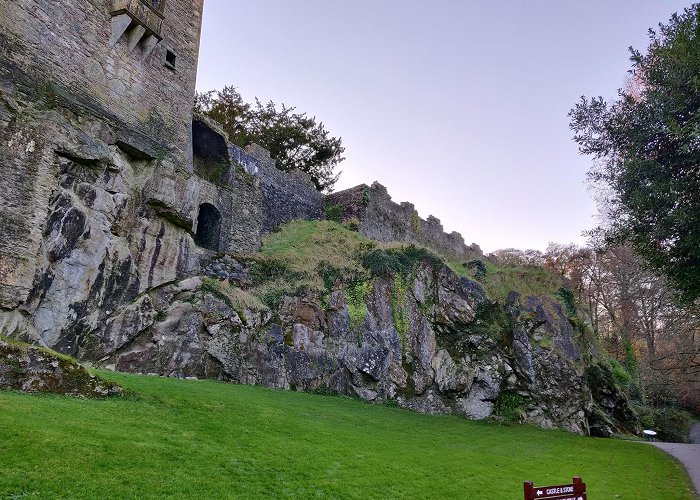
<point>208,227</point>
<point>157,5</point>
<point>170,59</point>
<point>210,155</point>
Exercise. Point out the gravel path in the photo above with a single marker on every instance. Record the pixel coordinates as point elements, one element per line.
<point>687,454</point>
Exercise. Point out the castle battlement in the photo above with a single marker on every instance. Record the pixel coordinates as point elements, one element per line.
<point>382,219</point>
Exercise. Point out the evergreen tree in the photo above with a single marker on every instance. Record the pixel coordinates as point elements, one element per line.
<point>295,140</point>
<point>646,151</point>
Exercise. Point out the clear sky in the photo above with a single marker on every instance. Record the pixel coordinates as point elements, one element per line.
<point>457,106</point>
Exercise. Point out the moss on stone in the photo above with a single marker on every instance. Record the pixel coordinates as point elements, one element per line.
<point>36,369</point>
<point>355,295</point>
<point>399,307</point>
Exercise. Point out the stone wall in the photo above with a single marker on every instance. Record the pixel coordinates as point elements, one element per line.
<point>69,93</point>
<point>265,196</point>
<point>232,186</point>
<point>381,219</point>
<point>286,196</point>
<point>62,52</point>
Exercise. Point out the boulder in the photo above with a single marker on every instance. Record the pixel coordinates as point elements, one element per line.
<point>33,369</point>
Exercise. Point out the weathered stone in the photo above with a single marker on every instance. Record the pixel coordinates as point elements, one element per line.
<point>382,219</point>
<point>32,369</point>
<point>183,329</point>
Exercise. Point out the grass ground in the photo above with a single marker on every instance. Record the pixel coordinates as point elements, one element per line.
<point>190,439</point>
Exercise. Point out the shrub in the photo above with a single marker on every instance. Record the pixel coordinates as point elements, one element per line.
<point>365,197</point>
<point>631,362</point>
<point>509,405</point>
<point>671,424</point>
<point>334,212</point>
<point>620,373</point>
<point>272,297</point>
<point>566,297</point>
<point>478,268</point>
<point>600,375</point>
<point>415,221</point>
<point>383,262</point>
<point>353,224</point>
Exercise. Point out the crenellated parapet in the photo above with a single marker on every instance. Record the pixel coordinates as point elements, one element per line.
<point>381,219</point>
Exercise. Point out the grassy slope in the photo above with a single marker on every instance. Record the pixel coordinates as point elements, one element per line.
<point>304,245</point>
<point>304,248</point>
<point>188,439</point>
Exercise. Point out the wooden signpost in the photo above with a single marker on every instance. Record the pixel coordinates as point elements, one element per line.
<point>573,491</point>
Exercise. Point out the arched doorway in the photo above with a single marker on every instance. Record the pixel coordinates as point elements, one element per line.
<point>208,227</point>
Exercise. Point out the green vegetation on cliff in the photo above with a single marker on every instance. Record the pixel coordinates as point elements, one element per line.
<point>305,246</point>
<point>312,256</point>
<point>499,280</point>
<point>317,254</point>
<point>189,439</point>
<point>526,280</point>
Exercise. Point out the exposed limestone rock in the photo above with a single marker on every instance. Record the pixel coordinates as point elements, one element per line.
<point>452,359</point>
<point>612,411</point>
<point>32,369</point>
<point>117,280</point>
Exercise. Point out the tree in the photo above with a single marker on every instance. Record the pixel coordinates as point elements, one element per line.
<point>295,140</point>
<point>635,315</point>
<point>227,108</point>
<point>515,257</point>
<point>646,151</point>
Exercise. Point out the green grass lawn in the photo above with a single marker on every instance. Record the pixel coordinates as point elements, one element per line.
<point>190,439</point>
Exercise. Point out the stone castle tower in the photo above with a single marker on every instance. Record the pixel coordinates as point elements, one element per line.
<point>133,62</point>
<point>87,82</point>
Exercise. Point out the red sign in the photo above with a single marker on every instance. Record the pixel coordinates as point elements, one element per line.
<point>573,491</point>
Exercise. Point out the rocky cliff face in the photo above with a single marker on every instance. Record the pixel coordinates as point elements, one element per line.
<point>86,227</point>
<point>99,244</point>
<point>431,342</point>
<point>116,218</point>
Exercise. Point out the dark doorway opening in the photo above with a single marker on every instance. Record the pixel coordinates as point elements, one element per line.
<point>208,227</point>
<point>210,154</point>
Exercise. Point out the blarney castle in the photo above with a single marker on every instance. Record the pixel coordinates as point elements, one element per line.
<point>114,199</point>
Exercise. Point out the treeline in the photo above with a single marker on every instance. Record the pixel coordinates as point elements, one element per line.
<point>294,140</point>
<point>652,338</point>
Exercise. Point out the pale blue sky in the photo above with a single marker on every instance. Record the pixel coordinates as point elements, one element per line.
<point>456,106</point>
